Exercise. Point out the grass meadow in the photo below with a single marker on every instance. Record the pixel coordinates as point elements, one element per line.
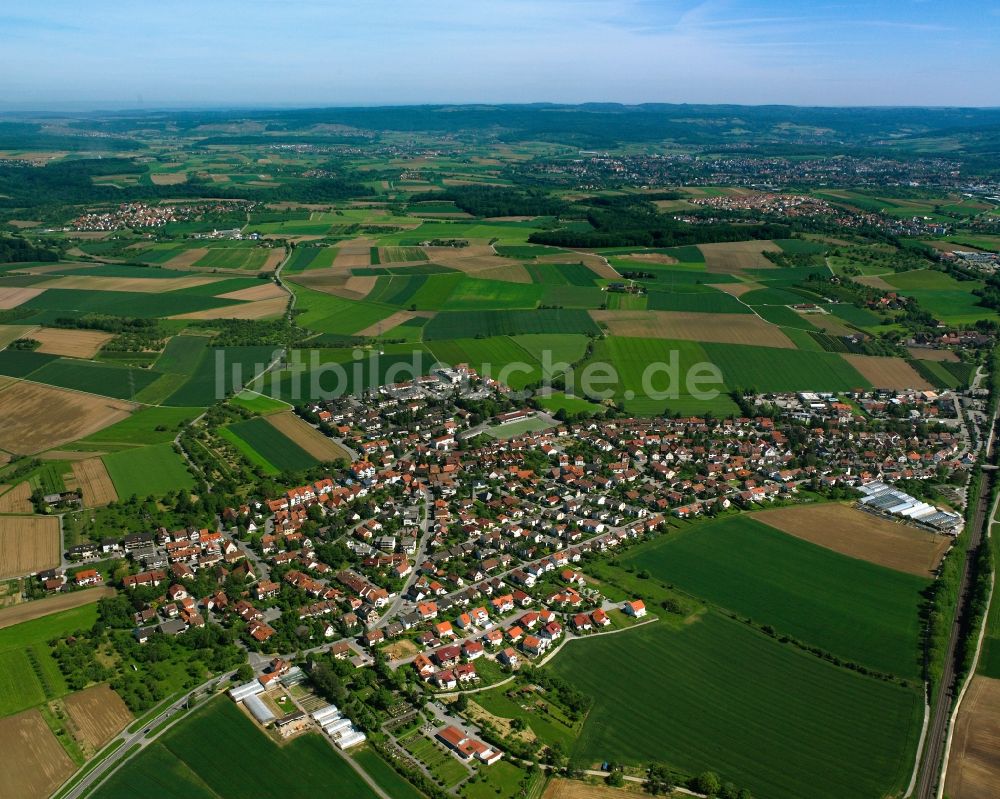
<point>154,469</point>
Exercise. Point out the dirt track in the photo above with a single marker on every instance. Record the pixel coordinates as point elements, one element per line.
<point>29,611</point>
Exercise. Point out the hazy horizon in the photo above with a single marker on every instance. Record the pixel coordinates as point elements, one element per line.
<point>387,53</point>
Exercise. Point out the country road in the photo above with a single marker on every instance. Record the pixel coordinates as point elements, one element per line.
<point>931,765</point>
<point>141,738</point>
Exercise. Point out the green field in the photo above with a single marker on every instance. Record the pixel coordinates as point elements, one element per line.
<point>21,363</point>
<point>240,761</point>
<point>630,358</point>
<point>121,382</point>
<point>499,357</point>
<point>337,372</point>
<point>273,447</point>
<point>559,401</point>
<point>258,403</point>
<point>55,303</point>
<point>176,364</point>
<point>514,429</point>
<point>711,301</point>
<point>29,675</point>
<point>327,313</point>
<point>716,695</point>
<point>856,610</point>
<point>562,274</point>
<point>946,298</point>
<point>989,657</point>
<point>155,470</point>
<point>216,372</point>
<point>770,369</point>
<point>305,258</point>
<point>469,293</point>
<point>146,426</point>
<point>384,774</point>
<point>250,258</point>
<point>464,324</point>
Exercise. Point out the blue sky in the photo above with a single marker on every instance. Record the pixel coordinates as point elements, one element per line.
<point>102,54</point>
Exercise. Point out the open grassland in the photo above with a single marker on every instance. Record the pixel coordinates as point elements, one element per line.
<point>154,469</point>
<point>974,761</point>
<point>736,256</point>
<point>146,426</point>
<point>725,698</point>
<point>94,483</point>
<point>242,761</point>
<point>97,715</point>
<point>38,608</point>
<point>886,372</point>
<point>858,534</point>
<point>28,544</point>
<point>723,329</point>
<point>307,437</point>
<point>856,610</point>
<point>258,403</point>
<point>29,675</point>
<point>34,762</point>
<point>273,445</point>
<point>72,343</point>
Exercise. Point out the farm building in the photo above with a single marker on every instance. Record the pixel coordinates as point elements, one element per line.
<point>882,498</point>
<point>258,709</point>
<point>241,692</point>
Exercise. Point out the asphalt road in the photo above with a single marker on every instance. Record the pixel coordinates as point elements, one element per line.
<point>144,736</point>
